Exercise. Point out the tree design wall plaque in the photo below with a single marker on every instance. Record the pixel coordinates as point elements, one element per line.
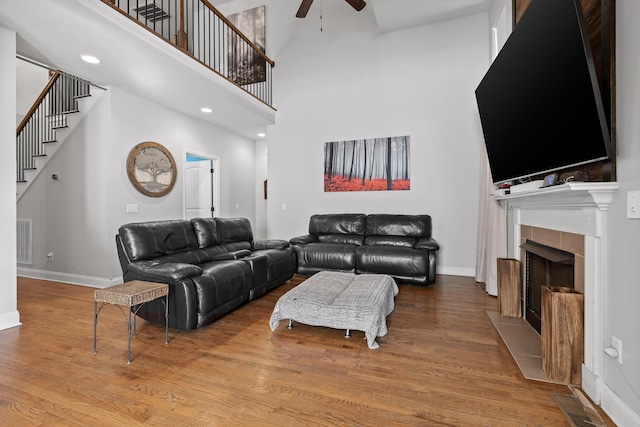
<point>151,169</point>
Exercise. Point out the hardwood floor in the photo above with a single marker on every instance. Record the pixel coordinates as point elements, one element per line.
<point>441,364</point>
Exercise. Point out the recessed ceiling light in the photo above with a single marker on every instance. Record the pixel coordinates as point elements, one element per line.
<point>206,109</point>
<point>90,59</point>
<point>261,135</point>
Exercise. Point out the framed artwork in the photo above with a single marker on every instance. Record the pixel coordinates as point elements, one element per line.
<point>151,169</point>
<point>245,65</point>
<point>377,164</point>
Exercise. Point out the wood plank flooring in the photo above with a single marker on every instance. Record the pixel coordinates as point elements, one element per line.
<point>441,364</point>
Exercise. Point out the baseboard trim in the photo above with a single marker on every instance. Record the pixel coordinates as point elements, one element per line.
<point>591,385</point>
<point>10,320</point>
<point>456,271</point>
<point>72,279</point>
<point>619,412</point>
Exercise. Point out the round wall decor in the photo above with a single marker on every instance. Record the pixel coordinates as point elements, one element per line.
<point>151,169</point>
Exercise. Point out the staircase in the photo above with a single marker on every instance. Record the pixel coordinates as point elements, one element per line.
<point>58,110</point>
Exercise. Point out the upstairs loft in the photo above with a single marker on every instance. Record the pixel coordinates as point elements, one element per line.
<point>133,59</point>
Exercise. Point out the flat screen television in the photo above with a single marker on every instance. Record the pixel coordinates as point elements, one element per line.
<point>539,102</point>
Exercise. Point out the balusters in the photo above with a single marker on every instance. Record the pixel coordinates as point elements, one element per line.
<point>202,32</point>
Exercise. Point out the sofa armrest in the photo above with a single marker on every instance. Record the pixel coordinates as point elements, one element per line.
<point>303,240</point>
<point>164,271</point>
<point>427,243</point>
<point>259,245</point>
<point>231,255</point>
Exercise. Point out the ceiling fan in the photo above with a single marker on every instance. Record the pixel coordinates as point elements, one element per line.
<point>306,4</point>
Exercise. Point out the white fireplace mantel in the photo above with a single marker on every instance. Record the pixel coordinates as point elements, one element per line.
<point>569,195</point>
<point>581,208</point>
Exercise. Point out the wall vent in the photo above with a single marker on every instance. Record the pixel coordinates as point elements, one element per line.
<point>23,237</point>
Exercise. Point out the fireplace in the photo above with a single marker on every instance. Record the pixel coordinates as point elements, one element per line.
<point>544,266</point>
<point>572,217</point>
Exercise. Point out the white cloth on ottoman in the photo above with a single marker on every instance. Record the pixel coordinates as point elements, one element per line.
<point>342,301</point>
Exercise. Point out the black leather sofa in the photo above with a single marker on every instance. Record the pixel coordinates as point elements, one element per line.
<point>212,266</point>
<point>398,245</point>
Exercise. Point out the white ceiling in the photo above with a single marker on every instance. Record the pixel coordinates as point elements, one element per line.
<point>56,33</point>
<point>394,15</point>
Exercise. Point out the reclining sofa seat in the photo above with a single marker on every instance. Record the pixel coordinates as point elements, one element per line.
<point>398,245</point>
<point>212,266</point>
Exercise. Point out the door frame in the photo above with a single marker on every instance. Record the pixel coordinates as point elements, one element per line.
<point>216,179</point>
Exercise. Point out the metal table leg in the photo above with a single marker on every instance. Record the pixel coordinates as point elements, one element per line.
<point>129,338</point>
<point>95,324</point>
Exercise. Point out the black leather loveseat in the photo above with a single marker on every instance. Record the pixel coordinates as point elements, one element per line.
<point>212,266</point>
<point>398,245</point>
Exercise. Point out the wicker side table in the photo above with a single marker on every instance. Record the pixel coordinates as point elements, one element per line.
<point>132,295</point>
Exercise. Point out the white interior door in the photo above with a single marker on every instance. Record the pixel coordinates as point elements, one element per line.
<point>199,200</point>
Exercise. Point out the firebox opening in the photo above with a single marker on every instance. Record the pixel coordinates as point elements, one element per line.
<point>545,266</point>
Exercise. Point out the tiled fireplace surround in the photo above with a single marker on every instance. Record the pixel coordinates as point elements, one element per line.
<point>571,217</point>
<point>568,242</point>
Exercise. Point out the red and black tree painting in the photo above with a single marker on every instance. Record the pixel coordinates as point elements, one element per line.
<point>367,164</point>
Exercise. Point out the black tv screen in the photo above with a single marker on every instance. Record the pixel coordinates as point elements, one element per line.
<point>539,102</point>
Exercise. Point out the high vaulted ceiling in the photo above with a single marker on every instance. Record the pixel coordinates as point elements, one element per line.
<point>56,33</point>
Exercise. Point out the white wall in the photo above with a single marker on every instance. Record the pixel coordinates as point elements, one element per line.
<point>622,317</point>
<point>30,80</point>
<point>77,216</point>
<point>9,315</point>
<point>418,82</point>
<point>260,226</point>
<point>70,216</point>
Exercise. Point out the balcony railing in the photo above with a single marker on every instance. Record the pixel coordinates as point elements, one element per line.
<point>202,32</point>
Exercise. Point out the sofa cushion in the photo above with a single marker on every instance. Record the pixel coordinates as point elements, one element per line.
<point>303,240</point>
<point>351,239</point>
<point>392,260</point>
<point>197,256</point>
<point>206,232</point>
<point>234,230</point>
<point>399,225</point>
<point>262,244</point>
<point>149,240</point>
<point>231,255</point>
<point>236,246</point>
<point>406,242</point>
<point>327,256</point>
<point>337,224</point>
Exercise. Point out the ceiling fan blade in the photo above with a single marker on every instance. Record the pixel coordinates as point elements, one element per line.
<point>357,4</point>
<point>304,8</point>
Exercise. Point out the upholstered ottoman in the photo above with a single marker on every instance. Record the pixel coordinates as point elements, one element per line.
<point>342,301</point>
